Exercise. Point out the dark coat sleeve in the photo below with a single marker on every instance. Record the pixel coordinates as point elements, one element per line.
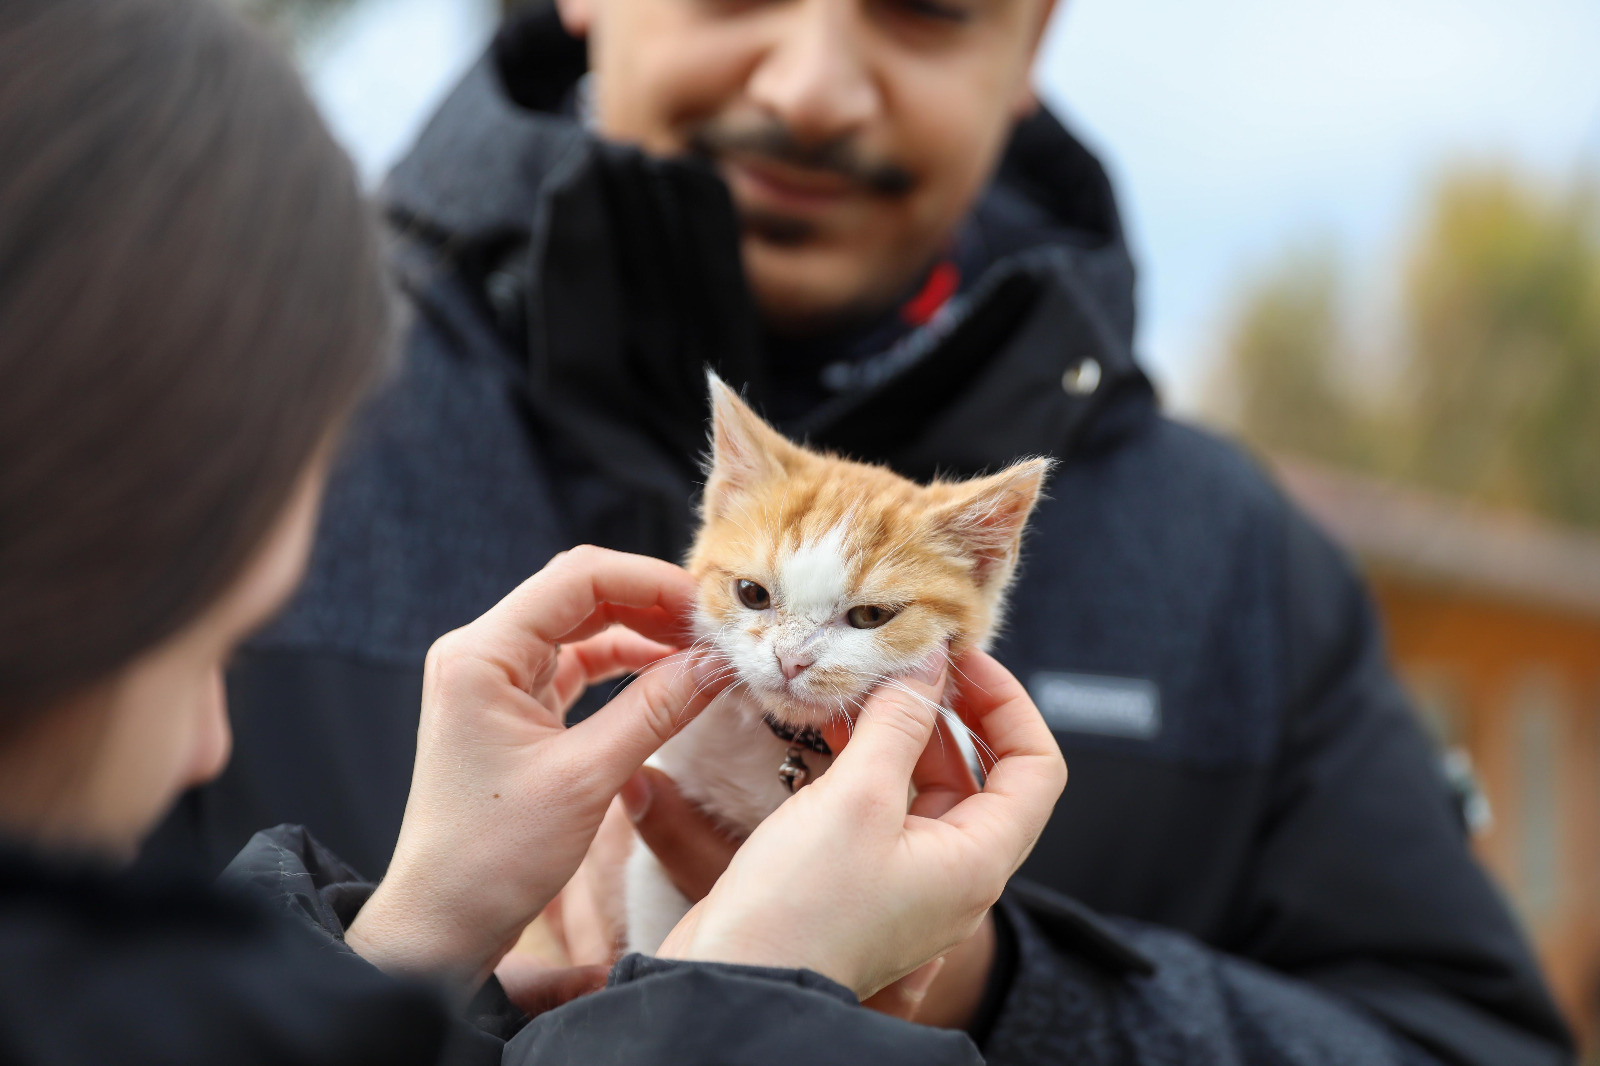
<point>652,1011</point>
<point>1367,932</point>
<point>97,967</point>
<point>658,1010</point>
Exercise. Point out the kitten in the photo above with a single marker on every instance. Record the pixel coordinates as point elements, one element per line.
<point>819,579</point>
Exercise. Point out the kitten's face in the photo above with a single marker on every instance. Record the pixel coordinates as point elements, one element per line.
<point>821,577</point>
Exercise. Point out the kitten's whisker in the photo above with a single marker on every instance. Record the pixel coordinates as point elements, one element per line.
<point>707,682</point>
<point>980,747</point>
<point>746,530</point>
<point>960,673</point>
<point>941,712</point>
<point>899,684</point>
<point>844,714</point>
<point>703,689</point>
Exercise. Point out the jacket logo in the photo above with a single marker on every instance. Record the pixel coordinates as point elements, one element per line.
<point>1090,703</point>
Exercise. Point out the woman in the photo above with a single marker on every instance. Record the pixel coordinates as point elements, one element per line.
<point>190,305</point>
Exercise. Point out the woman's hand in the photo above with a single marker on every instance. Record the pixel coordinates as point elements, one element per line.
<point>587,919</point>
<point>504,798</point>
<point>849,879</point>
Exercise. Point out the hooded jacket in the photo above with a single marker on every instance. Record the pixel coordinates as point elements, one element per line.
<point>1256,860</point>
<point>100,967</point>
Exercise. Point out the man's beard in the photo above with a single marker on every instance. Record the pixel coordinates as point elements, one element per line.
<point>771,139</point>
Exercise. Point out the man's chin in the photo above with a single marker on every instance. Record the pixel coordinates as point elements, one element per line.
<point>810,289</point>
<point>777,230</point>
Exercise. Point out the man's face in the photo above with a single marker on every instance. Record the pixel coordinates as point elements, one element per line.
<point>854,135</point>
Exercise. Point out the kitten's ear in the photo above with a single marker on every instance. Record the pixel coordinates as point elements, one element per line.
<point>986,517</point>
<point>745,451</point>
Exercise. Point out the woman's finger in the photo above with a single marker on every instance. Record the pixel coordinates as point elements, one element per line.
<point>519,633</point>
<point>536,988</point>
<point>615,741</point>
<point>836,732</point>
<point>682,934</point>
<point>614,653</point>
<point>990,700</point>
<point>654,622</point>
<point>903,999</point>
<point>942,777</point>
<point>1021,789</point>
<point>592,904</point>
<point>892,730</point>
<point>554,601</point>
<point>690,846</point>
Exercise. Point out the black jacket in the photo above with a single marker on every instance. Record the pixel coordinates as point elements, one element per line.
<point>98,968</point>
<point>1251,802</point>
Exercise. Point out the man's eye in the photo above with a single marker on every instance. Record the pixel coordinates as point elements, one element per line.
<point>752,595</point>
<point>868,616</point>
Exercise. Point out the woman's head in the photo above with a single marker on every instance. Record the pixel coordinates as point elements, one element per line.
<point>190,302</point>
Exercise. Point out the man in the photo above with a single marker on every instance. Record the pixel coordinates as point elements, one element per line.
<point>856,210</point>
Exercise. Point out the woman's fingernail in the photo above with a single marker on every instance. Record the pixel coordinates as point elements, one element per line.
<point>636,796</point>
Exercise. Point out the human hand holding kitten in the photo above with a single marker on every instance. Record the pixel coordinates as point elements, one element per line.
<point>902,879</point>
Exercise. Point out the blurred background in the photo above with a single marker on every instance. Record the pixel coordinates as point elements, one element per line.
<point>1369,243</point>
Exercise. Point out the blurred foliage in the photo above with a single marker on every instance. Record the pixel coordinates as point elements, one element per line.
<point>1493,390</point>
<point>1503,332</point>
<point>1289,382</point>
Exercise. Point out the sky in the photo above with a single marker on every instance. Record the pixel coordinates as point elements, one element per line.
<point>1233,129</point>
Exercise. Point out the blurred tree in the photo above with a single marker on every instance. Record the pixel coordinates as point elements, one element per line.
<point>1503,343</point>
<point>1286,381</point>
<point>1498,392</point>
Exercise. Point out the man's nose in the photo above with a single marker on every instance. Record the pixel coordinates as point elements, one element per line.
<point>816,78</point>
<point>793,663</point>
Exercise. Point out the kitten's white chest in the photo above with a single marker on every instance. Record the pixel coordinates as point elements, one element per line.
<point>726,761</point>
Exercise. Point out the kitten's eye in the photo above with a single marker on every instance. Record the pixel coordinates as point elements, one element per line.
<point>868,616</point>
<point>752,595</point>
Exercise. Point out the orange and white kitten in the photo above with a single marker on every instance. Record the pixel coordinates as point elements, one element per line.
<point>819,579</point>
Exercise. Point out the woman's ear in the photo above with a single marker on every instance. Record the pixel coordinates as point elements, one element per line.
<point>745,451</point>
<point>987,515</point>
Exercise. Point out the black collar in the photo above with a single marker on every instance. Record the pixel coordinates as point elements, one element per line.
<point>807,738</point>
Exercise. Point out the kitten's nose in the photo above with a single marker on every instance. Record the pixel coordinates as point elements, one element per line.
<point>793,665</point>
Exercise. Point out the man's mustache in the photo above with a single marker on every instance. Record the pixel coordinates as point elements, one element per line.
<point>774,141</point>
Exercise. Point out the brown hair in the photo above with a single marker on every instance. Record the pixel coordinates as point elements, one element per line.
<point>191,300</point>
